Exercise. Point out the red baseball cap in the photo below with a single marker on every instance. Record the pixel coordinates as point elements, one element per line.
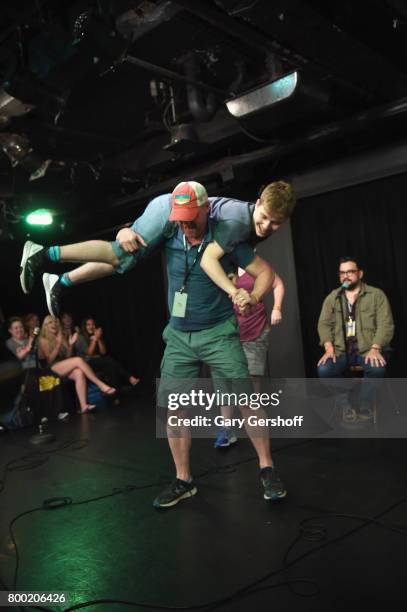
<point>187,198</point>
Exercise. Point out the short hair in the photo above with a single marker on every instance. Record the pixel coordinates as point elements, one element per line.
<point>278,199</point>
<point>350,258</point>
<point>14,320</point>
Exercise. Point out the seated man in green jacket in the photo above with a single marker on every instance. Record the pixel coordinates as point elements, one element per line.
<point>355,327</point>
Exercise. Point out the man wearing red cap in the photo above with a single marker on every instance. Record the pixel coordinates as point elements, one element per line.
<point>236,222</point>
<point>202,326</point>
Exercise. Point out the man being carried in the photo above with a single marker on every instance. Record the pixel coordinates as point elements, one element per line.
<point>236,222</point>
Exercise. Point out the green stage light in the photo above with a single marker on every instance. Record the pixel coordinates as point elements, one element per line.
<point>40,217</point>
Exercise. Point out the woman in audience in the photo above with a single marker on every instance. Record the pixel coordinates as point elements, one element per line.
<point>57,351</point>
<point>23,347</point>
<point>31,321</point>
<point>91,346</point>
<point>68,326</point>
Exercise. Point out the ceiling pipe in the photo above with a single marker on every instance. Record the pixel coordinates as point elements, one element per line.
<point>173,76</point>
<point>235,28</point>
<point>201,107</point>
<point>313,138</point>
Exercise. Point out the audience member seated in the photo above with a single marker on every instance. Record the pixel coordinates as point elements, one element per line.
<point>355,328</point>
<point>31,321</point>
<point>57,351</point>
<point>22,346</point>
<point>91,346</point>
<point>68,326</point>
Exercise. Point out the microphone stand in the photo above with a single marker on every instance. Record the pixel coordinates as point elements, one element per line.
<point>41,437</point>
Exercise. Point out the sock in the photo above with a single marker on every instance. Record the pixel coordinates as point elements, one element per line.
<point>54,253</point>
<point>65,280</point>
<point>189,480</point>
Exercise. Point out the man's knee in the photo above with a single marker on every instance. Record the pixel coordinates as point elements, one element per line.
<point>374,372</point>
<point>326,370</point>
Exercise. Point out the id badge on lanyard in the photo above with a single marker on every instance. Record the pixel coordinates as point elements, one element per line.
<point>350,328</point>
<point>179,306</point>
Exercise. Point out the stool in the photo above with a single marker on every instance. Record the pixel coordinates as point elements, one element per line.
<point>356,371</point>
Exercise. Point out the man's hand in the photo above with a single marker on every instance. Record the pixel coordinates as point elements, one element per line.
<point>241,298</point>
<point>276,317</point>
<point>129,240</point>
<point>375,358</point>
<point>329,354</point>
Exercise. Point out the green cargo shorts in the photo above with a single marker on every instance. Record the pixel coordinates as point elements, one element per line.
<point>218,347</point>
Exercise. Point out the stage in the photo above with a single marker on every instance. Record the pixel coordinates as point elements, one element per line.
<point>111,544</point>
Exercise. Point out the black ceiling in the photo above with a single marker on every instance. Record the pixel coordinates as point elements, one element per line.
<point>104,90</point>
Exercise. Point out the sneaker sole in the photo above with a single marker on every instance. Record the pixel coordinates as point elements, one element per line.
<point>30,248</point>
<point>276,497</point>
<point>187,494</point>
<point>48,284</point>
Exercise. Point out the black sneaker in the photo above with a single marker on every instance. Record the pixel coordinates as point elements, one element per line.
<point>53,290</point>
<point>32,262</point>
<point>273,486</point>
<point>174,493</point>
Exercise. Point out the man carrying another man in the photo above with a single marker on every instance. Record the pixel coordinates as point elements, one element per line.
<point>202,327</point>
<point>236,222</point>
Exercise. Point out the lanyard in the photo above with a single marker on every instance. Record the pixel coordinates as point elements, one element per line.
<point>188,269</point>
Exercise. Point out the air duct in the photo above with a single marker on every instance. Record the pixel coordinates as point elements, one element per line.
<point>202,106</point>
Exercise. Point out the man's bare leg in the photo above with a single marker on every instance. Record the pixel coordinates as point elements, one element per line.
<point>89,271</point>
<point>91,250</point>
<point>258,436</point>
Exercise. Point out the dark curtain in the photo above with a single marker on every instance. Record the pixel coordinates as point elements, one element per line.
<point>368,222</point>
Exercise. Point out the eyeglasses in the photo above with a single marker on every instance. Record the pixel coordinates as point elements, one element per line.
<point>345,272</point>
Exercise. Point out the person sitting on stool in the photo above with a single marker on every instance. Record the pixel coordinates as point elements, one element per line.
<point>355,328</point>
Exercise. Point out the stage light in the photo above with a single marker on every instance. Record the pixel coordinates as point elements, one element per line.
<point>42,216</point>
<point>20,152</point>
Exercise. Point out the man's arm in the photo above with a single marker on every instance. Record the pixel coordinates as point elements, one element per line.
<point>384,331</point>
<point>278,291</point>
<point>210,264</point>
<point>384,322</point>
<point>264,276</point>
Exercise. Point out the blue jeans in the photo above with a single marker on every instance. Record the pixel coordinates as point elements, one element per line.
<point>337,370</point>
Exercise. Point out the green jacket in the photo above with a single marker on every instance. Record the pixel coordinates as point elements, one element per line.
<point>374,320</point>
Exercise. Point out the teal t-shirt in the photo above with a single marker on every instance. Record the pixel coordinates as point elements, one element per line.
<point>207,305</point>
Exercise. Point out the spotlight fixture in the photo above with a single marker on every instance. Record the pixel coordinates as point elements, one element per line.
<point>279,103</point>
<point>41,216</point>
<point>18,149</point>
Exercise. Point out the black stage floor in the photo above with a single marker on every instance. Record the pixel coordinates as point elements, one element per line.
<point>206,549</point>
